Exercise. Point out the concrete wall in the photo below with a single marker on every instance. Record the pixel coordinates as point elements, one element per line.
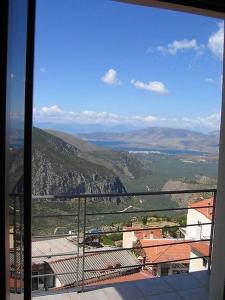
<point>128,239</point>
<point>197,232</point>
<point>196,264</point>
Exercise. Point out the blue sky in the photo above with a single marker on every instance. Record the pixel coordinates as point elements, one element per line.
<point>103,62</point>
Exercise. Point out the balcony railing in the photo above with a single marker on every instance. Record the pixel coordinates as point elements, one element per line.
<point>79,269</point>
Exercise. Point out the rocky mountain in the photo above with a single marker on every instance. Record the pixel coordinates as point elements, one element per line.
<point>159,138</point>
<point>122,163</point>
<point>63,164</point>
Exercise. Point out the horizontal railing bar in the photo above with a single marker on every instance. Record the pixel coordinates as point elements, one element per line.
<point>122,212</point>
<point>144,211</point>
<point>55,215</point>
<point>122,249</point>
<point>57,254</point>
<point>70,196</point>
<point>146,264</point>
<point>53,236</point>
<point>146,247</point>
<point>54,274</point>
<point>118,231</point>
<point>145,229</point>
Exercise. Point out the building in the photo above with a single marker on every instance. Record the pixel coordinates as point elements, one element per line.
<point>99,266</point>
<point>60,256</point>
<point>200,213</point>
<point>45,251</point>
<point>161,256</point>
<point>200,250</point>
<point>130,237</point>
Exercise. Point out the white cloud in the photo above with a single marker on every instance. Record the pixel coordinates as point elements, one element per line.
<point>51,110</point>
<point>156,87</point>
<point>211,121</point>
<point>54,114</point>
<point>216,40</point>
<point>42,70</point>
<point>181,45</point>
<point>110,77</point>
<point>209,80</point>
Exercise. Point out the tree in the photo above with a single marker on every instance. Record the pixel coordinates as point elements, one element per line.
<point>144,220</point>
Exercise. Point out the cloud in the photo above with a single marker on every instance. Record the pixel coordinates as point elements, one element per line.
<point>181,45</point>
<point>51,110</point>
<point>54,114</point>
<point>216,40</point>
<point>211,121</point>
<point>209,80</point>
<point>42,70</point>
<point>156,87</point>
<point>110,78</point>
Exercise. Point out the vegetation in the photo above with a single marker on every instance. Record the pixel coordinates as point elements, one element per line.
<point>110,239</point>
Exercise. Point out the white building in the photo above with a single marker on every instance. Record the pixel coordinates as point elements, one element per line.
<point>201,250</point>
<point>200,213</point>
<point>130,237</point>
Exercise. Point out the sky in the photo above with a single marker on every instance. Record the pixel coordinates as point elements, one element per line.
<point>121,65</point>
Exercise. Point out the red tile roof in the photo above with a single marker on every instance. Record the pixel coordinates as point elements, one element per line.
<point>165,253</point>
<point>129,277</point>
<point>202,248</point>
<point>145,234</point>
<point>206,211</point>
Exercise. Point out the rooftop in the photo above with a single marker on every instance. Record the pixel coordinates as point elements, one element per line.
<point>202,248</point>
<point>192,286</point>
<point>48,247</point>
<point>165,253</point>
<point>206,211</point>
<point>97,265</point>
<point>155,233</point>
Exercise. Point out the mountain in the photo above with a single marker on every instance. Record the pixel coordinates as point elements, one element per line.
<point>58,169</point>
<point>64,164</point>
<point>122,163</point>
<point>158,138</point>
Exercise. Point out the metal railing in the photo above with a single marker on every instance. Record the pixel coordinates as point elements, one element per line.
<point>81,234</point>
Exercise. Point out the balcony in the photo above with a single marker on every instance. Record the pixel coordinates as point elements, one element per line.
<point>192,286</point>
<point>70,266</point>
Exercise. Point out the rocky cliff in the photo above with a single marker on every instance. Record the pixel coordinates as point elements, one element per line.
<point>58,168</point>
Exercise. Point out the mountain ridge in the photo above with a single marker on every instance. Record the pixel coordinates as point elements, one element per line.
<point>160,137</point>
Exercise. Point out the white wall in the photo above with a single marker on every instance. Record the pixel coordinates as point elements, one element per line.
<point>128,239</point>
<point>197,232</point>
<point>196,264</point>
<point>57,282</point>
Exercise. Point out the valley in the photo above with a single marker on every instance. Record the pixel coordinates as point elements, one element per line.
<point>64,164</point>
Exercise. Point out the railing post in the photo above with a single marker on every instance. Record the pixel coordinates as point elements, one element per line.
<point>21,244</point>
<point>78,240</point>
<point>15,243</point>
<point>212,231</point>
<point>84,236</point>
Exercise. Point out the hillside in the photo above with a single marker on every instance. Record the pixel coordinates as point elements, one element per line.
<point>159,138</point>
<point>58,168</point>
<point>122,163</point>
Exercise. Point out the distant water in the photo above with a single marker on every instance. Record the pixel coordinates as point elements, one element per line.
<point>122,146</point>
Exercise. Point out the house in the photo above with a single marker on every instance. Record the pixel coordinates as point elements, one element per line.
<point>200,250</point>
<point>130,237</point>
<point>200,213</point>
<point>98,265</point>
<point>157,252</point>
<point>45,251</point>
<point>101,265</point>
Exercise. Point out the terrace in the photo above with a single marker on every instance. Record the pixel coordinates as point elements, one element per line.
<point>76,270</point>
